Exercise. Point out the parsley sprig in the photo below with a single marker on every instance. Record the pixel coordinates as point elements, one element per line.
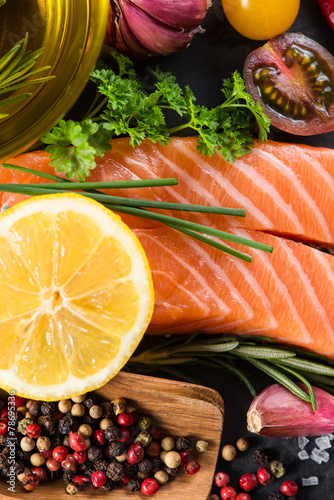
<point>123,107</point>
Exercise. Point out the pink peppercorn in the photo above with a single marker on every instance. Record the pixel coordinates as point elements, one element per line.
<point>80,457</point>
<point>228,493</point>
<point>30,482</point>
<point>3,426</point>
<point>125,419</point>
<point>33,431</point>
<point>69,463</point>
<point>184,457</point>
<point>19,401</point>
<point>192,467</point>
<point>289,488</point>
<point>264,475</point>
<point>149,486</point>
<point>221,479</point>
<point>98,478</point>
<point>248,481</point>
<point>125,479</point>
<point>125,435</point>
<point>243,496</point>
<point>4,413</point>
<point>134,454</point>
<point>40,473</point>
<point>46,453</point>
<point>52,464</point>
<point>81,479</point>
<point>60,453</point>
<point>77,442</point>
<point>99,437</point>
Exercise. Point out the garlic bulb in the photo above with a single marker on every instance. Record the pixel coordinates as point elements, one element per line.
<point>276,412</point>
<point>144,28</point>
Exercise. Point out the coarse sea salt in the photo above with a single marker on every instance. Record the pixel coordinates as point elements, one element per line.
<point>323,442</point>
<point>319,456</point>
<point>302,442</point>
<point>310,481</point>
<point>303,455</point>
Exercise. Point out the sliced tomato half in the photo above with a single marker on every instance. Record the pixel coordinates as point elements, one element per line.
<point>293,78</point>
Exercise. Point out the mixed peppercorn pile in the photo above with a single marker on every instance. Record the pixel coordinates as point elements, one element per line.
<point>87,441</point>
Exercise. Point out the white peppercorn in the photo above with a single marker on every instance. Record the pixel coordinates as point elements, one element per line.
<point>105,423</point>
<point>202,446</point>
<point>161,476</point>
<point>64,405</point>
<point>37,460</point>
<point>85,430</point>
<point>167,443</point>
<point>43,443</point>
<point>163,455</point>
<point>78,410</point>
<point>172,459</point>
<point>95,411</point>
<point>79,399</point>
<point>27,444</point>
<point>24,473</point>
<point>229,452</point>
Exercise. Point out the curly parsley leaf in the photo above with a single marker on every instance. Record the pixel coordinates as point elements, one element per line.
<point>126,108</point>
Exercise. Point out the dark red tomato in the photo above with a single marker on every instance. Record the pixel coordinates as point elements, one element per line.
<point>327,7</point>
<point>293,78</point>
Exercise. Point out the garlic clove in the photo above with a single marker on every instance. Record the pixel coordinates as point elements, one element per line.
<point>152,34</point>
<point>131,43</point>
<point>276,412</point>
<point>187,14</point>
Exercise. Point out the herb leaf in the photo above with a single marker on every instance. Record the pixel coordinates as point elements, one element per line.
<point>125,108</point>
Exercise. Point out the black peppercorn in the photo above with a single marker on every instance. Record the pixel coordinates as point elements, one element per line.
<point>156,464</point>
<point>142,475</point>
<point>34,407</point>
<point>214,497</point>
<point>24,456</point>
<point>3,461</point>
<point>19,467</point>
<point>171,472</point>
<point>67,424</point>
<point>260,457</point>
<point>94,454</point>
<point>101,465</point>
<point>145,466</point>
<point>48,408</point>
<point>131,469</point>
<point>182,443</point>
<point>276,496</point>
<point>49,424</point>
<point>89,401</point>
<point>68,476</point>
<point>86,469</point>
<point>53,474</point>
<point>87,419</point>
<point>56,440</point>
<point>112,434</point>
<point>134,485</point>
<point>108,486</point>
<point>116,449</point>
<point>107,409</point>
<point>116,471</point>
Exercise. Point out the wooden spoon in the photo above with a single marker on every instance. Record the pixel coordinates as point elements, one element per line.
<point>179,409</point>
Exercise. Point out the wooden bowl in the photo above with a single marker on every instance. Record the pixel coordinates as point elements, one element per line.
<point>179,409</point>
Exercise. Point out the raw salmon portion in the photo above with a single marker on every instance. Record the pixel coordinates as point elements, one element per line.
<point>287,190</point>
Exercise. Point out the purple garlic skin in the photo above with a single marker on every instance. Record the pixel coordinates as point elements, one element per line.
<point>276,412</point>
<point>146,28</point>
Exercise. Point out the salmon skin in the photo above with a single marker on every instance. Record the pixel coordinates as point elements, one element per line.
<point>288,193</point>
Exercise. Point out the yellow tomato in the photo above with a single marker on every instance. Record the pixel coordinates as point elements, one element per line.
<point>261,19</point>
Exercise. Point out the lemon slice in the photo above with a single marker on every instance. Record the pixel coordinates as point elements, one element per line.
<point>76,296</point>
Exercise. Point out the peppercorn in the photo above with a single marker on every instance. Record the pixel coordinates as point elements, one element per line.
<point>85,430</point>
<point>156,464</point>
<point>68,476</point>
<point>23,455</point>
<point>107,409</point>
<point>171,471</point>
<point>121,458</point>
<point>242,444</point>
<point>64,405</point>
<point>145,466</point>
<point>108,486</point>
<point>101,465</point>
<point>264,475</point>
<point>144,423</point>
<point>201,446</point>
<point>214,497</point>
<point>112,434</point>
<point>3,461</point>
<point>71,489</point>
<point>144,438</point>
<point>19,467</point>
<point>37,460</point>
<point>79,399</point>
<point>105,423</point>
<point>34,407</point>
<point>40,473</point>
<point>161,476</point>
<point>22,410</point>
<point>49,424</point>
<point>116,471</point>
<point>134,485</point>
<point>23,424</point>
<point>48,408</point>
<point>277,495</point>
<point>182,443</point>
<point>43,443</point>
<point>27,444</point>
<point>24,473</point>
<point>57,440</point>
<point>87,419</point>
<point>95,411</point>
<point>260,457</point>
<point>67,424</point>
<point>53,474</point>
<point>119,405</point>
<point>29,482</point>
<point>94,454</point>
<point>77,410</point>
<point>167,443</point>
<point>153,449</point>
<point>149,486</point>
<point>277,469</point>
<point>131,469</point>
<point>89,402</point>
<point>116,449</point>
<point>172,459</point>
<point>229,452</point>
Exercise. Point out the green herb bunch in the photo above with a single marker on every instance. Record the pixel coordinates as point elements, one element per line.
<point>232,354</point>
<point>123,107</point>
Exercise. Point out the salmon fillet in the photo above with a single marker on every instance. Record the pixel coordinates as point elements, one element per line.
<point>288,193</point>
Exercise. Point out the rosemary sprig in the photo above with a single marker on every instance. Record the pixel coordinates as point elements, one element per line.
<point>139,207</point>
<point>16,67</point>
<point>226,353</point>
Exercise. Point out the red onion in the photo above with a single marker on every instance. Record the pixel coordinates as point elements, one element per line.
<point>144,28</point>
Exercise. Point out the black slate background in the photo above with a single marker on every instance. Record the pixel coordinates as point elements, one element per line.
<point>211,57</point>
